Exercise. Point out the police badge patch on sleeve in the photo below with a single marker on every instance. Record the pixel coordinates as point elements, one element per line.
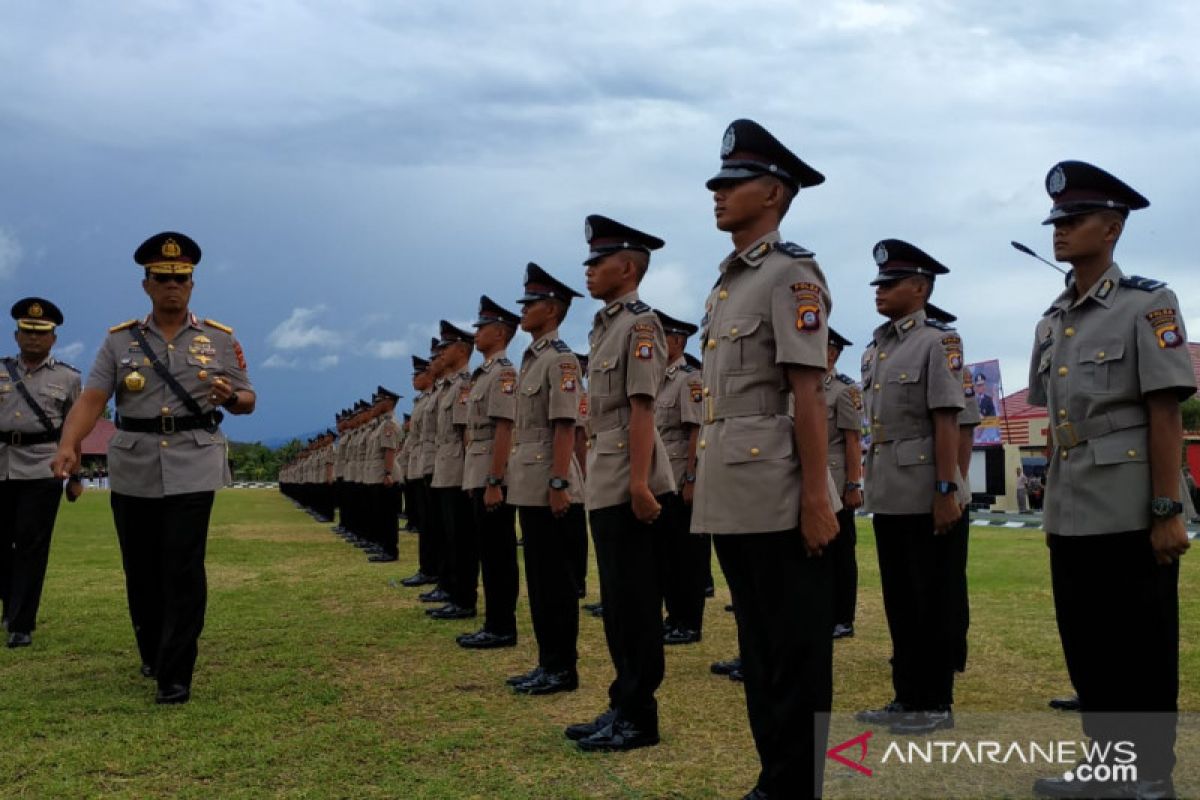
<point>644,349</point>
<point>808,306</point>
<point>1166,329</point>
<point>570,377</point>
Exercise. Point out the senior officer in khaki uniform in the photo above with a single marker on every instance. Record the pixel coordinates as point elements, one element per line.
<point>418,490</point>
<point>1110,363</point>
<point>629,478</point>
<point>844,405</point>
<point>36,393</point>
<point>174,375</point>
<point>762,483</point>
<point>491,409</point>
<point>678,414</point>
<point>912,382</point>
<point>545,483</point>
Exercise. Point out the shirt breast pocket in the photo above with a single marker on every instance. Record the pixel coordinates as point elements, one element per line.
<point>604,379</point>
<point>52,398</point>
<point>1099,364</point>
<point>737,344</point>
<point>906,385</point>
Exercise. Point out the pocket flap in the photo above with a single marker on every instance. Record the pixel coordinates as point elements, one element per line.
<point>480,448</point>
<point>756,439</point>
<point>914,452</point>
<point>1098,354</point>
<point>740,327</point>
<point>906,375</point>
<point>1120,447</point>
<point>123,440</point>
<point>611,442</point>
<point>205,439</point>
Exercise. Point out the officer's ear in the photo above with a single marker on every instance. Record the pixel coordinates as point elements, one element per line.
<point>1114,226</point>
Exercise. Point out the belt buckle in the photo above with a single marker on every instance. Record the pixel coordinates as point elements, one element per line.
<point>166,425</point>
<point>1065,436</point>
<point>709,410</point>
<point>15,439</point>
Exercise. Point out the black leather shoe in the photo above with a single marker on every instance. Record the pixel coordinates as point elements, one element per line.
<point>419,579</point>
<point>382,558</point>
<point>843,631</point>
<point>890,713</point>
<point>590,607</point>
<point>582,730</point>
<point>516,680</point>
<point>452,611</point>
<point>1162,789</point>
<point>549,683</point>
<point>737,676</point>
<point>1065,703</point>
<point>756,794</point>
<point>710,591</point>
<point>725,667</point>
<point>919,723</point>
<point>729,607</point>
<point>434,596</point>
<point>174,694</point>
<point>618,736</point>
<point>19,640</point>
<point>486,640</point>
<point>598,611</point>
<point>147,671</point>
<point>681,636</point>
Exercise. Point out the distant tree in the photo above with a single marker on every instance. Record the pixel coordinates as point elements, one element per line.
<point>254,461</point>
<point>1190,409</point>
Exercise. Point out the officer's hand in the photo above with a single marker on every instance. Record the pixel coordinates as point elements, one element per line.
<point>818,525</point>
<point>853,499</point>
<point>492,498</point>
<point>945,513</point>
<point>220,391</point>
<point>64,463</point>
<point>1169,539</point>
<point>689,492</point>
<point>560,502</point>
<point>645,507</point>
<point>73,491</point>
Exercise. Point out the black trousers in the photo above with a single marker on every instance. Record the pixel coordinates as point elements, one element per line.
<point>924,598</point>
<point>577,537</point>
<point>461,556</point>
<point>550,584</point>
<point>1118,617</point>
<point>432,547</point>
<point>630,556</point>
<point>783,603</point>
<point>496,543</point>
<point>163,543</point>
<point>685,565</point>
<point>30,508</point>
<point>383,512</point>
<point>411,512</point>
<point>845,569</point>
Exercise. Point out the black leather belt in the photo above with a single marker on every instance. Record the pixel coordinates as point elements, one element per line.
<point>168,425</point>
<point>18,439</point>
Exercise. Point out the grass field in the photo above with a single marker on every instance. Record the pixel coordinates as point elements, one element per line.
<point>318,678</point>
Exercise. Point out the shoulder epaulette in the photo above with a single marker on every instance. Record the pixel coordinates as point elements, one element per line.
<point>560,346</point>
<point>212,323</point>
<point>870,344</point>
<point>504,362</point>
<point>937,323</point>
<point>846,379</point>
<point>123,326</point>
<point>1145,284</point>
<point>794,250</point>
<point>637,307</point>
<point>689,368</point>
<point>71,367</point>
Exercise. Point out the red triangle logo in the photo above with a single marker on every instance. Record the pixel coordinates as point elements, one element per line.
<point>860,741</point>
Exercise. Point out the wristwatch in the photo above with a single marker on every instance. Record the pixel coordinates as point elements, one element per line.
<point>945,487</point>
<point>1165,507</point>
<point>231,401</point>
<point>689,477</point>
<point>76,478</point>
<point>560,483</point>
<point>493,480</point>
<point>851,485</point>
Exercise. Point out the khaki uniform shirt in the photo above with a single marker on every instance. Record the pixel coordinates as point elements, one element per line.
<point>429,446</point>
<point>400,462</point>
<point>339,457</point>
<point>679,405</point>
<point>968,418</point>
<point>54,386</point>
<point>351,449</point>
<point>327,456</point>
<point>843,412</point>
<point>1094,360</point>
<point>384,436</point>
<point>451,419</point>
<point>912,367</point>
<point>768,310</point>
<point>547,390</point>
<point>156,464</point>
<point>493,396</point>
<point>415,448</point>
<point>628,358</point>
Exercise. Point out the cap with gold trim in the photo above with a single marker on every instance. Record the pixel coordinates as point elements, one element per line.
<point>838,341</point>
<point>168,253</point>
<point>1080,188</point>
<point>606,236</point>
<point>490,311</point>
<point>748,150</point>
<point>452,334</point>
<point>898,259</point>
<point>541,285</point>
<point>676,327</point>
<point>36,314</point>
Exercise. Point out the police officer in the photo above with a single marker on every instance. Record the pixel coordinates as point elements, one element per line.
<point>491,409</point>
<point>174,376</point>
<point>762,484</point>
<point>429,448</point>
<point>913,385</point>
<point>416,488</point>
<point>629,478</point>
<point>36,394</point>
<point>678,413</point>
<point>579,534</point>
<point>382,444</point>
<point>844,405</point>
<point>545,483</point>
<point>1110,363</point>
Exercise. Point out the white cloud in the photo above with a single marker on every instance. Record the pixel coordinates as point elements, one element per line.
<point>389,348</point>
<point>326,362</point>
<point>300,331</point>
<point>69,352</point>
<point>10,252</point>
<point>276,361</point>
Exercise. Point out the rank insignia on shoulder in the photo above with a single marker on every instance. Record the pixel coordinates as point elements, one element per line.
<point>794,250</point>
<point>71,367</point>
<point>759,252</point>
<point>1145,284</point>
<point>644,349</point>
<point>907,325</point>
<point>123,326</point>
<point>937,323</point>
<point>846,379</point>
<point>689,368</point>
<point>1105,289</point>
<point>504,362</point>
<point>637,307</point>
<point>560,346</point>
<point>212,323</point>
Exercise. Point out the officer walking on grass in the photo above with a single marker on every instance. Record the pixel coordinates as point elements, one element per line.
<point>845,408</point>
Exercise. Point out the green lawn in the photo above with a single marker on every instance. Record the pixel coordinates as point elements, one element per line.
<point>318,677</point>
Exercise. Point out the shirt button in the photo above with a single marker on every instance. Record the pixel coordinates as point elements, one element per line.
<point>17,414</point>
<point>703,444</point>
<point>165,410</point>
<point>1062,413</point>
<point>620,445</point>
<point>1069,332</point>
<point>514,451</point>
<point>1131,453</point>
<point>1062,372</point>
<point>163,443</point>
<point>1063,455</point>
<point>876,451</point>
<point>882,356</point>
<point>877,387</point>
<point>903,376</point>
<point>921,457</point>
<point>706,391</point>
<point>170,347</point>
<point>604,363</point>
<point>875,418</point>
<point>539,456</point>
<point>754,451</point>
<point>712,343</point>
<point>1100,355</point>
<point>733,331</point>
<point>722,295</point>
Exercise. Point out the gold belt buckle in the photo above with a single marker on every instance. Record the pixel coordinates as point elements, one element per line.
<point>709,410</point>
<point>166,425</point>
<point>16,439</point>
<point>1064,435</point>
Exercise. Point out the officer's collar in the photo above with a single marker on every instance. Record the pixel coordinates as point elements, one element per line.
<point>907,324</point>
<point>676,365</point>
<point>542,342</point>
<point>755,254</point>
<point>148,323</point>
<point>829,377</point>
<point>616,306</point>
<point>1102,291</point>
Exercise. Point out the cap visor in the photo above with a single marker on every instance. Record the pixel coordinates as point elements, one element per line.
<point>730,174</point>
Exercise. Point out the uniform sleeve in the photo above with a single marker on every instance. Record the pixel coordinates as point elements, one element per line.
<point>563,387</point>
<point>235,365</point>
<point>944,389</point>
<point>389,436</point>
<point>1037,392</point>
<point>73,391</point>
<point>1163,358</point>
<point>849,410</point>
<point>502,397</point>
<point>460,411</point>
<point>800,319</point>
<point>647,364</point>
<point>103,375</point>
<point>970,415</point>
<point>691,401</point>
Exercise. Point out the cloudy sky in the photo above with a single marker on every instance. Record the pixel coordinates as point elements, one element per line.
<point>356,171</point>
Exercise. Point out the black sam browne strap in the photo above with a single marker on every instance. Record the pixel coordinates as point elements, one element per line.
<point>188,401</point>
<point>20,384</point>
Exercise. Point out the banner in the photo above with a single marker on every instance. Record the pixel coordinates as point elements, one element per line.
<point>981,383</point>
